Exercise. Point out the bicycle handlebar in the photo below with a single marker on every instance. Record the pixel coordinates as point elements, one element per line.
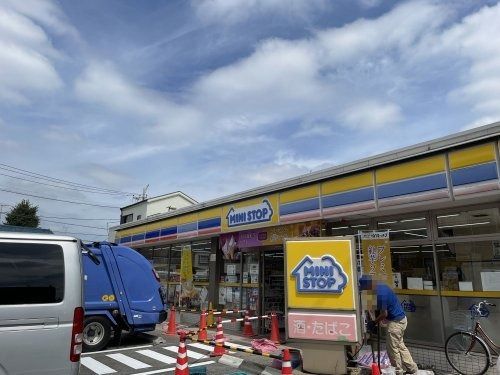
<point>485,303</point>
<point>480,310</point>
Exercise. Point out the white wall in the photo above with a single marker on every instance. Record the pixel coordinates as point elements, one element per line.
<point>160,206</point>
<point>137,209</point>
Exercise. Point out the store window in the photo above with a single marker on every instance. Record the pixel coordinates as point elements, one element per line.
<point>251,278</point>
<point>457,315</point>
<point>174,267</point>
<point>201,260</point>
<point>467,223</point>
<point>413,267</point>
<point>231,274</point>
<point>410,228</point>
<point>160,262</point>
<point>469,266</point>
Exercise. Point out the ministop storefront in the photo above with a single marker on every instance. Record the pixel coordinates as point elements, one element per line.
<point>440,202</point>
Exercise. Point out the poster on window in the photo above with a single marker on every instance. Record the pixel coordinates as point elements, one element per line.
<point>188,291</point>
<point>376,252</point>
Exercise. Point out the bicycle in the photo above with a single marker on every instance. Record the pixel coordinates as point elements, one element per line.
<point>469,351</point>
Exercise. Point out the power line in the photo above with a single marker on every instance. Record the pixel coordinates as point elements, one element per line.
<point>80,234</point>
<point>74,218</point>
<point>64,187</point>
<point>53,179</point>
<point>58,200</point>
<point>76,225</point>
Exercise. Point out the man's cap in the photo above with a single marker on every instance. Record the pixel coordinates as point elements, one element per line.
<point>365,282</point>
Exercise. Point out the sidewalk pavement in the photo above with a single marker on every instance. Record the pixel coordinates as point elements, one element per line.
<point>248,363</point>
<point>245,362</point>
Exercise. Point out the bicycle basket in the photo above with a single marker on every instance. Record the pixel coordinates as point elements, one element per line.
<point>461,320</point>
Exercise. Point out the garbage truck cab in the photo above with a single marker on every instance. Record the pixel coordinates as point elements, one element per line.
<point>122,291</point>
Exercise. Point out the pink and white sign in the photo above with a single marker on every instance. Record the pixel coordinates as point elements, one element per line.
<point>328,327</point>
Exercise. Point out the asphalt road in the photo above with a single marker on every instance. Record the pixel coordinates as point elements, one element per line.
<point>146,354</point>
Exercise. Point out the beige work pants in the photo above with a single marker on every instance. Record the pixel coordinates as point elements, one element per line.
<point>398,353</point>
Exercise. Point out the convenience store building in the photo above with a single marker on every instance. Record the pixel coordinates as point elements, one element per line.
<point>440,200</point>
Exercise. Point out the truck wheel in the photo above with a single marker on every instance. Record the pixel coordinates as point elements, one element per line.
<point>96,333</point>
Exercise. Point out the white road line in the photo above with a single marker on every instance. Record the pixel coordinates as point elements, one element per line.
<point>96,366</point>
<point>128,361</point>
<point>199,345</point>
<point>117,350</point>
<point>190,353</point>
<point>173,368</point>
<point>159,357</point>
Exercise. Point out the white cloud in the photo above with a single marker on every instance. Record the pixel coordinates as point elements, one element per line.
<point>104,176</point>
<point>369,3</point>
<point>372,115</point>
<point>59,133</point>
<point>26,61</point>
<point>45,12</point>
<point>232,11</point>
<point>476,40</point>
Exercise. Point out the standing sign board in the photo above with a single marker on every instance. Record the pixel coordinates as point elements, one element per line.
<point>321,285</point>
<point>377,255</point>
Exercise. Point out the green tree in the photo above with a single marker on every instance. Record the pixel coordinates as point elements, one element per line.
<point>24,215</point>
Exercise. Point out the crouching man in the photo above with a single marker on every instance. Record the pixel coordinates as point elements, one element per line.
<point>390,310</point>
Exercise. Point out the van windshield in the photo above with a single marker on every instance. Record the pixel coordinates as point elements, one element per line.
<point>31,273</point>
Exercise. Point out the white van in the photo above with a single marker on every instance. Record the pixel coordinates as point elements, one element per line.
<point>41,304</point>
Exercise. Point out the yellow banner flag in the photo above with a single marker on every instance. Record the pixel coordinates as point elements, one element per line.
<point>186,264</point>
<point>376,251</point>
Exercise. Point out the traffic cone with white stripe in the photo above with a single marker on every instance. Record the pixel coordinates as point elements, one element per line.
<point>219,340</point>
<point>181,368</point>
<point>286,363</point>
<point>247,328</point>
<point>202,330</point>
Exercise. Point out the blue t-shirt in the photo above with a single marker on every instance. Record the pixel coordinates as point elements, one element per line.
<point>387,300</point>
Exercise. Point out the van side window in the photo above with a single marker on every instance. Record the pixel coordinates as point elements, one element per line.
<point>31,273</point>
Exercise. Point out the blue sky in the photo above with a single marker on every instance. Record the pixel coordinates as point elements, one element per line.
<point>212,97</point>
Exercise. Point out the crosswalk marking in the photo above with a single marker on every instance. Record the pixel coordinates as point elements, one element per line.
<point>96,366</point>
<point>116,350</point>
<point>199,345</point>
<point>173,368</point>
<point>159,357</point>
<point>126,360</point>
<point>190,353</point>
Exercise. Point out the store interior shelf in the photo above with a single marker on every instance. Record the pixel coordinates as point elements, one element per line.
<point>416,292</point>
<point>230,284</point>
<point>457,293</point>
<point>250,285</point>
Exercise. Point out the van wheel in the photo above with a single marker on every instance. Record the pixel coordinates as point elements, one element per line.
<point>96,333</point>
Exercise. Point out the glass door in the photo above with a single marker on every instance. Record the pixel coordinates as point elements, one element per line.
<point>273,285</point>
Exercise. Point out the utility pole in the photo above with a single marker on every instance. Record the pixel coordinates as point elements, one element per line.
<point>1,210</point>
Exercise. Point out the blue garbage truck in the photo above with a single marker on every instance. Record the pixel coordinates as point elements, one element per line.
<point>122,293</point>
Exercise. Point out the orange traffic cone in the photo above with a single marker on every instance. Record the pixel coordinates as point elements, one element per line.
<point>247,328</point>
<point>171,323</point>
<point>286,362</point>
<point>181,368</point>
<point>375,370</point>
<point>219,340</point>
<point>202,333</point>
<point>275,329</point>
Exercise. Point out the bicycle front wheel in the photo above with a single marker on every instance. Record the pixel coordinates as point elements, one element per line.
<point>467,353</point>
